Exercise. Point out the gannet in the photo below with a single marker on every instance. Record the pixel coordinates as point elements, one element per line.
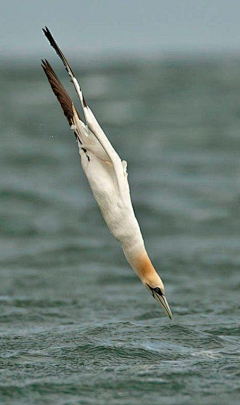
<point>108,179</point>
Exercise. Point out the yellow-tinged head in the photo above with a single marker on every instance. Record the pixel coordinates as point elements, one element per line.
<point>152,281</point>
<point>159,294</point>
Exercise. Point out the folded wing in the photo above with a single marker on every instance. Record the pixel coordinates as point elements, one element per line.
<point>92,127</point>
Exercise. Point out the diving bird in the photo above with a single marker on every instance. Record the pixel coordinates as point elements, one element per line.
<point>108,179</point>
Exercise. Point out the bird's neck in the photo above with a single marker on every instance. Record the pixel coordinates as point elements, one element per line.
<point>140,262</point>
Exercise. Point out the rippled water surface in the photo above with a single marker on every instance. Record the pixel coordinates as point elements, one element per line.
<point>77,326</point>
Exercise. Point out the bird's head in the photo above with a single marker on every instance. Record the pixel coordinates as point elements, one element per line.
<point>145,270</point>
<point>155,286</point>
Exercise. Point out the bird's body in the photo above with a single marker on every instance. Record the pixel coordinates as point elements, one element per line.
<point>108,179</point>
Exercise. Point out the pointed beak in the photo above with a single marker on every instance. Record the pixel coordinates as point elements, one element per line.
<point>163,302</point>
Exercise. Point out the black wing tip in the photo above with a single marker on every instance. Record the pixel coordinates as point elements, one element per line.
<point>55,46</point>
<point>49,36</point>
<point>46,65</point>
<point>51,40</point>
<point>47,33</point>
<point>58,51</point>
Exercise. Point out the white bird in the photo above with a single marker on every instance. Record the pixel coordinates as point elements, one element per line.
<point>108,179</point>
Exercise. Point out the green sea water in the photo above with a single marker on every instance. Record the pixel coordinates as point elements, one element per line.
<point>76,325</point>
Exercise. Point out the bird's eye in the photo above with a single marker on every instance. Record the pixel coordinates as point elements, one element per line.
<point>158,291</point>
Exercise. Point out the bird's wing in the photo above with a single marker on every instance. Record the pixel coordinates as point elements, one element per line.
<point>91,122</point>
<point>65,101</point>
<point>60,92</point>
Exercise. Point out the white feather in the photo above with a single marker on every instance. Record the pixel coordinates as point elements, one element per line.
<point>108,179</point>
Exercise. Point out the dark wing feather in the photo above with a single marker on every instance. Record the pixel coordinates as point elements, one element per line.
<point>59,91</point>
<point>53,43</point>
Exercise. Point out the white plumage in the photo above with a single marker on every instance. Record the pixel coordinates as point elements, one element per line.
<point>108,179</point>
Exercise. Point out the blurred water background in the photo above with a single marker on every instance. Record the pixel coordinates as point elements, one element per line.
<point>77,326</point>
